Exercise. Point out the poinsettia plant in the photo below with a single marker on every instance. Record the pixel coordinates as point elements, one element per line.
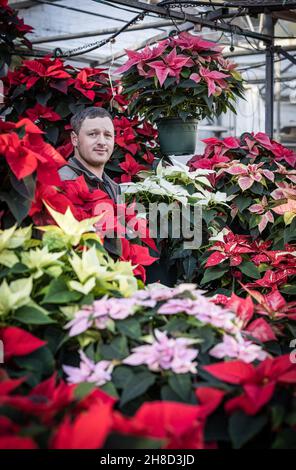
<point>161,353</point>
<point>49,92</point>
<point>13,34</point>
<point>183,76</point>
<point>260,176</point>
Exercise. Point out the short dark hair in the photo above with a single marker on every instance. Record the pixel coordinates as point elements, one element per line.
<point>88,113</point>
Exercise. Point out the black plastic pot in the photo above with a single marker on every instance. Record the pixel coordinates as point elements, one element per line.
<point>177,137</point>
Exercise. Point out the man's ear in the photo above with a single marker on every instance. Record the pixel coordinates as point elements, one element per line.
<point>74,139</point>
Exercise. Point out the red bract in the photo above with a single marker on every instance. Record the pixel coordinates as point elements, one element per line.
<point>18,342</point>
<point>87,431</point>
<point>258,383</point>
<point>231,248</point>
<point>45,400</point>
<point>273,304</point>
<point>30,153</point>
<point>42,112</point>
<point>179,425</point>
<point>131,168</point>
<point>138,255</point>
<point>244,309</point>
<point>16,442</point>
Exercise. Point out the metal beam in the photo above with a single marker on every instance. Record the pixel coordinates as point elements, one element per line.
<point>158,37</point>
<point>19,5</point>
<point>100,32</point>
<point>269,75</point>
<point>167,13</point>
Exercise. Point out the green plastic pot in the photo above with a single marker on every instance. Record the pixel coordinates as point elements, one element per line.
<point>177,137</point>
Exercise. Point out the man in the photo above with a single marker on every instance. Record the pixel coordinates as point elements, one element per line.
<point>93,141</point>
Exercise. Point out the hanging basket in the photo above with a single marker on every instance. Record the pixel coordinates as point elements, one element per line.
<point>177,137</point>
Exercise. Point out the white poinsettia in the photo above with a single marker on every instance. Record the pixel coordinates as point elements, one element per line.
<point>175,183</point>
<point>10,239</point>
<point>87,265</point>
<point>39,259</point>
<point>15,295</point>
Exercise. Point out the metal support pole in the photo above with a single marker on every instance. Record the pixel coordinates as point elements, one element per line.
<point>269,93</point>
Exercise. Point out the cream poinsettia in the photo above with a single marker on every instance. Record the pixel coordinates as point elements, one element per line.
<point>70,229</point>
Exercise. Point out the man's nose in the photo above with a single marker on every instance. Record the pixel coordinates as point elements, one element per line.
<point>101,139</point>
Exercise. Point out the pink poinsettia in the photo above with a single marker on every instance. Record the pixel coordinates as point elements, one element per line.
<point>188,41</point>
<point>88,371</point>
<point>214,79</point>
<point>165,354</point>
<point>136,58</point>
<point>288,210</point>
<point>236,347</point>
<point>248,174</point>
<point>170,66</point>
<point>266,215</point>
<point>284,191</point>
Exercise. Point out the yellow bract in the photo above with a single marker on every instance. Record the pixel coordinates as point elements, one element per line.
<point>13,237</point>
<point>15,295</point>
<point>70,229</point>
<point>38,259</point>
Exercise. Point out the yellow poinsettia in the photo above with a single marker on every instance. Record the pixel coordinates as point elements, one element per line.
<point>70,229</point>
<point>39,259</point>
<point>288,210</point>
<point>15,295</point>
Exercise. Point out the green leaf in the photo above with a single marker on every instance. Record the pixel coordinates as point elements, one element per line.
<point>110,389</point>
<point>243,428</point>
<point>189,265</point>
<point>285,439</point>
<point>83,389</point>
<point>249,269</point>
<point>137,386</point>
<point>129,327</point>
<point>213,273</point>
<point>40,363</point>
<point>58,293</point>
<point>32,316</point>
<point>116,350</point>
<point>288,289</point>
<point>242,202</point>
<point>181,385</point>
<point>121,375</point>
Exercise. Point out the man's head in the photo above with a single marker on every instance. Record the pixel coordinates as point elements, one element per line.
<point>93,136</point>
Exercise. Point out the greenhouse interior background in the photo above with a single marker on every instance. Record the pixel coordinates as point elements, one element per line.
<point>67,25</point>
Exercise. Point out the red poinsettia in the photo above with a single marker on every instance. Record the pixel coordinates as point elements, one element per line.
<point>232,249</point>
<point>18,342</point>
<point>42,112</point>
<point>244,309</point>
<point>131,168</point>
<point>258,383</point>
<point>179,425</point>
<point>273,304</point>
<point>138,255</point>
<point>16,442</point>
<point>88,430</point>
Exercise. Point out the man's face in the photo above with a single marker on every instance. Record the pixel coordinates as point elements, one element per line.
<point>95,140</point>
